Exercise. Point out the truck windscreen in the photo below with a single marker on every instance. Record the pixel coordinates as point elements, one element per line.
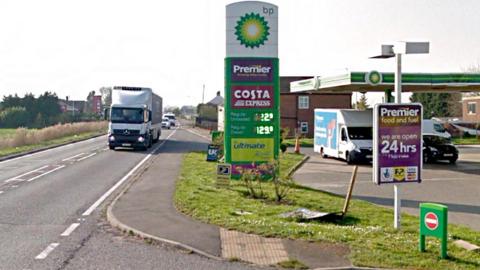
<point>360,133</point>
<point>127,115</point>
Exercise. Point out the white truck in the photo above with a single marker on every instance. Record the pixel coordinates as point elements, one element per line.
<point>344,134</point>
<point>135,118</point>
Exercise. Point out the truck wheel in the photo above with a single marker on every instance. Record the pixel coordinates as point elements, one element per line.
<point>348,158</point>
<point>322,154</point>
<point>156,140</point>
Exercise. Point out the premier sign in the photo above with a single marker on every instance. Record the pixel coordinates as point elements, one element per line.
<point>397,143</point>
<point>251,70</point>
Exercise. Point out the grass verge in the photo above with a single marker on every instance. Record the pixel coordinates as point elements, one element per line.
<point>6,132</point>
<point>304,142</point>
<point>26,148</point>
<point>367,229</point>
<point>471,140</point>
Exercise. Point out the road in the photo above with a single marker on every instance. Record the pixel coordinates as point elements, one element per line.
<point>457,186</point>
<point>52,212</point>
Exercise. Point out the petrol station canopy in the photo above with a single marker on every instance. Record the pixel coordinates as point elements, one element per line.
<point>374,81</point>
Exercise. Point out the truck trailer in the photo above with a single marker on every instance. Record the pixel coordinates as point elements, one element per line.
<point>135,118</point>
<point>344,133</point>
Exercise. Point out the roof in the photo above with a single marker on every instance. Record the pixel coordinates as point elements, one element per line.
<point>411,82</point>
<point>217,100</point>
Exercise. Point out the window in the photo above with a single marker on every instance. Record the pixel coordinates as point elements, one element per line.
<point>472,107</point>
<point>303,102</point>
<point>303,127</point>
<point>344,135</point>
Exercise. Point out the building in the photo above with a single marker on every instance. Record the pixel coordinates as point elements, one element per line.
<point>470,109</point>
<point>208,113</point>
<point>71,106</point>
<point>97,104</point>
<point>297,108</point>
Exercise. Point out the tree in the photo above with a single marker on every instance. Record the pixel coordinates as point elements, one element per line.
<point>106,93</point>
<point>362,104</point>
<point>438,104</point>
<point>14,117</point>
<point>89,104</point>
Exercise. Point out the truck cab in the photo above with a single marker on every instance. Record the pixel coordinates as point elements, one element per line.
<point>356,144</point>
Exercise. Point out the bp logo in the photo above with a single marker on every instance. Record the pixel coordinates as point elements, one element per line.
<point>373,77</point>
<point>252,30</point>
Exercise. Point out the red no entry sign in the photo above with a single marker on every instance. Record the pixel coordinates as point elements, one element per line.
<point>431,221</point>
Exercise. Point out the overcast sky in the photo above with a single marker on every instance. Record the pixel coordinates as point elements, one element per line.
<point>174,47</point>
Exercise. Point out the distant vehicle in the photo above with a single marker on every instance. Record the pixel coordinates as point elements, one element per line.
<point>437,148</point>
<point>135,118</point>
<point>166,123</point>
<point>344,134</point>
<point>433,127</point>
<point>171,117</point>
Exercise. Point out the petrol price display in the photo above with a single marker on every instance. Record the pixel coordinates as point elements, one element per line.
<point>264,117</point>
<point>264,130</point>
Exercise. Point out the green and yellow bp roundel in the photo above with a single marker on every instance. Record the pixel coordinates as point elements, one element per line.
<point>252,30</point>
<point>373,77</point>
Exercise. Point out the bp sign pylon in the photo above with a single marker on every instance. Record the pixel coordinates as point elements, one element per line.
<point>252,95</point>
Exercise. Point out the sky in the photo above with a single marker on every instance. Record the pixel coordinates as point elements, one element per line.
<point>176,47</point>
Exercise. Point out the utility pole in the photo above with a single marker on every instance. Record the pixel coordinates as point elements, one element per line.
<point>203,94</point>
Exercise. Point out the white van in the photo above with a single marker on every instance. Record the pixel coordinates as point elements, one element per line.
<point>344,134</point>
<point>433,127</point>
<point>171,117</point>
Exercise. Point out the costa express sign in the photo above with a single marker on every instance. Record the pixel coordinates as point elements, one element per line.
<point>252,96</point>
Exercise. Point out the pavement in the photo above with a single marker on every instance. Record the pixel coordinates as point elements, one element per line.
<point>146,208</point>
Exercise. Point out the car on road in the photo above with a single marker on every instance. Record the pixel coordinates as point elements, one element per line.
<point>437,148</point>
<point>166,123</point>
<point>171,117</point>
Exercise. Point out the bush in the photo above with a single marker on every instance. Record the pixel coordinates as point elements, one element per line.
<point>24,136</point>
<point>13,117</point>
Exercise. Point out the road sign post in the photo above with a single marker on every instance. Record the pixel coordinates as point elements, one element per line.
<point>397,147</point>
<point>434,222</point>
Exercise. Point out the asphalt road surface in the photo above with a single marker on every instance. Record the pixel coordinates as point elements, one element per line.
<point>52,212</point>
<point>457,185</point>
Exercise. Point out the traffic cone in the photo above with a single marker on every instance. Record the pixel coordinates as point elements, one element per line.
<point>297,145</point>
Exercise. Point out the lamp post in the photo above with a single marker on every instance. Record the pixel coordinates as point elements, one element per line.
<point>396,51</point>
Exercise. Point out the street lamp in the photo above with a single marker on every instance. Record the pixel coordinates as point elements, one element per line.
<point>396,50</point>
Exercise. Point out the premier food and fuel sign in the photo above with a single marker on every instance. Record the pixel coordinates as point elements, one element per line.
<point>397,143</point>
<point>252,116</point>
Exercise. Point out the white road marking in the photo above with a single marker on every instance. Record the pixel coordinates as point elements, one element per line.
<point>45,173</point>
<point>1,191</point>
<point>14,186</point>
<point>17,178</point>
<point>47,251</point>
<point>112,189</point>
<point>91,155</point>
<point>70,229</point>
<point>52,149</point>
<point>72,157</point>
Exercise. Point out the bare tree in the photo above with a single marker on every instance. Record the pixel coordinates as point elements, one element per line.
<point>473,68</point>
